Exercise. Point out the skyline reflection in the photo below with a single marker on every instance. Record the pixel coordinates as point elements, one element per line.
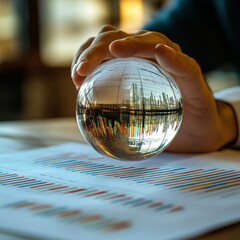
<point>129,109</point>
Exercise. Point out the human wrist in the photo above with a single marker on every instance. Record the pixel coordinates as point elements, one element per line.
<point>228,124</point>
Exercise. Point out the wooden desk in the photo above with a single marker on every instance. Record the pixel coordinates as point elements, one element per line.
<point>16,136</point>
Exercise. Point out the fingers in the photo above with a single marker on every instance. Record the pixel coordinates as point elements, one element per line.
<point>106,28</point>
<point>85,45</point>
<point>82,57</point>
<point>77,56</point>
<point>140,44</point>
<point>98,51</point>
<point>111,42</point>
<point>77,80</point>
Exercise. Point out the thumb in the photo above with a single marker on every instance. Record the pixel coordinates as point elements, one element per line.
<point>184,69</point>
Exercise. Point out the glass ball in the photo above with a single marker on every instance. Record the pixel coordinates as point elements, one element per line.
<point>129,109</point>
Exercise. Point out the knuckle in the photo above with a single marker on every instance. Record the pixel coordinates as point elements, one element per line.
<point>177,47</point>
<point>109,36</point>
<point>120,33</point>
<point>90,39</point>
<point>139,32</point>
<point>156,36</point>
<point>136,38</point>
<point>91,51</point>
<point>85,45</point>
<point>196,69</point>
<point>106,28</point>
<point>151,34</point>
<point>82,48</point>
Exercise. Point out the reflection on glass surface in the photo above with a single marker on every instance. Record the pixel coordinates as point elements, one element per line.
<point>129,109</point>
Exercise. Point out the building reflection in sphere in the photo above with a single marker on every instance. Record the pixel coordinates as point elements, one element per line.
<point>129,109</point>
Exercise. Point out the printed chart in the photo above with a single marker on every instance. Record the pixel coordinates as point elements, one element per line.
<point>68,191</point>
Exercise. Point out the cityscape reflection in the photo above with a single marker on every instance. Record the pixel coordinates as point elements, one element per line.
<point>129,109</point>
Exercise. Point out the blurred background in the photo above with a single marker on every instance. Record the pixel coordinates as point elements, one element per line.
<point>37,41</point>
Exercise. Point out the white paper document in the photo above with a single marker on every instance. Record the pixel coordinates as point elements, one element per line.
<point>71,192</point>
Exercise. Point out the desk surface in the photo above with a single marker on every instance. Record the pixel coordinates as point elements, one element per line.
<point>23,135</point>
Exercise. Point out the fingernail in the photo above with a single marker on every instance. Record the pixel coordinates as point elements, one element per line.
<point>73,72</point>
<point>162,47</point>
<point>79,67</point>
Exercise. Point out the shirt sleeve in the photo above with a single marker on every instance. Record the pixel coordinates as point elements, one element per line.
<point>232,97</point>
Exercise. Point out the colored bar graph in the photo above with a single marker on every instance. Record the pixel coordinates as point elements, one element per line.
<point>73,216</point>
<point>13,180</point>
<point>68,192</point>
<point>182,179</point>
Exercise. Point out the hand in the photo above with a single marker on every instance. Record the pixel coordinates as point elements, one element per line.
<point>101,48</point>
<point>207,124</point>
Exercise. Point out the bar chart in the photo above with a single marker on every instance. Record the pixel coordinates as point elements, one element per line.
<point>70,192</point>
<point>123,199</point>
<point>183,179</point>
<point>73,216</point>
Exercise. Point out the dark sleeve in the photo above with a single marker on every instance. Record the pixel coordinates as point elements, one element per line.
<point>195,26</point>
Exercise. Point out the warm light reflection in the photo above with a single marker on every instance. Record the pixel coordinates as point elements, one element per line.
<point>131,14</point>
